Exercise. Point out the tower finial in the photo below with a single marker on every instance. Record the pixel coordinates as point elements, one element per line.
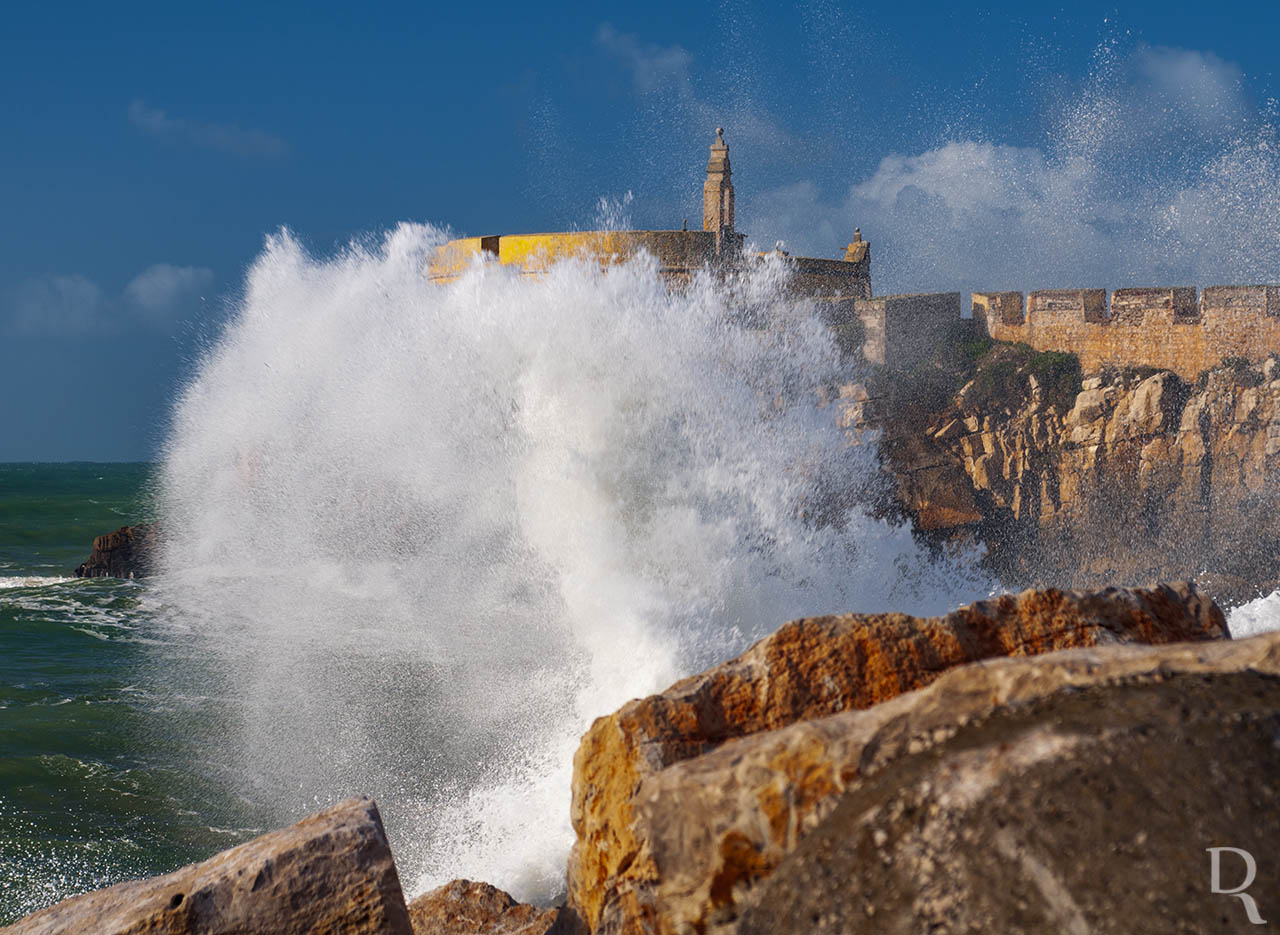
<point>717,193</point>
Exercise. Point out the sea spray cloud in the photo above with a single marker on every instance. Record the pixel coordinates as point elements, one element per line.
<point>422,534</point>
<point>1156,168</point>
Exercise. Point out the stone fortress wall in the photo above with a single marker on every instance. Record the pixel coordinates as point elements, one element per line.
<point>1166,327</point>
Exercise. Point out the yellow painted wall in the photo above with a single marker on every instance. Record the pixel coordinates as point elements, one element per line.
<point>680,254</point>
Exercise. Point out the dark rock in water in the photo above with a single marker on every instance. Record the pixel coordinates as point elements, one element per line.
<point>462,907</point>
<point>125,553</point>
<point>1080,793</point>
<point>631,863</point>
<point>331,872</point>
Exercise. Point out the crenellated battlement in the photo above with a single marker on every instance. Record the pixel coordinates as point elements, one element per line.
<point>1170,327</point>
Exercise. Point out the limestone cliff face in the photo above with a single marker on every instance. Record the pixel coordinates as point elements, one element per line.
<point>1140,477</point>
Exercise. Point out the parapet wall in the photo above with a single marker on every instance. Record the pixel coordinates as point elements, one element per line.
<point>900,331</point>
<point>1161,326</point>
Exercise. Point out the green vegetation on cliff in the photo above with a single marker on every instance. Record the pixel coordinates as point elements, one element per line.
<point>991,375</point>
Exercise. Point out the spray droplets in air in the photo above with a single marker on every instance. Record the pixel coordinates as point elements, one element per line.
<point>425,533</point>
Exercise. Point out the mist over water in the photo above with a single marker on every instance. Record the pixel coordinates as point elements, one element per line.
<point>420,535</point>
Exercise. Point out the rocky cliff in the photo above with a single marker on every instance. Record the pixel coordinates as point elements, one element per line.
<point>1123,477</point>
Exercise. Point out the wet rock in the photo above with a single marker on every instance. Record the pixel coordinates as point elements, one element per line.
<point>1074,793</point>
<point>462,907</point>
<point>126,553</point>
<point>808,669</point>
<point>330,872</point>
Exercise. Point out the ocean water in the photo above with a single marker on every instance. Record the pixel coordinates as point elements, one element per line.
<point>96,782</point>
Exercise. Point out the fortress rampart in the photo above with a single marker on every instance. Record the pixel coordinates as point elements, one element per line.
<point>1167,327</point>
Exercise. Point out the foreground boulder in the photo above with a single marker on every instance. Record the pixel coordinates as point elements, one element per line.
<point>331,872</point>
<point>1079,793</point>
<point>808,669</point>
<point>462,907</point>
<point>126,553</point>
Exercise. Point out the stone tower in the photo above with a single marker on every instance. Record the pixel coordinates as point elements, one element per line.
<point>717,193</point>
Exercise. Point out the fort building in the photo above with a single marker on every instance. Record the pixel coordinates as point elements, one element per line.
<point>680,253</point>
<point>1166,327</point>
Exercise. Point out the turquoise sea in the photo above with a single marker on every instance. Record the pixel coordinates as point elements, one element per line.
<point>101,775</point>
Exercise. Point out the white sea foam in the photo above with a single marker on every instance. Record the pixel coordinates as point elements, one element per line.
<point>1257,616</point>
<point>31,581</point>
<point>422,535</point>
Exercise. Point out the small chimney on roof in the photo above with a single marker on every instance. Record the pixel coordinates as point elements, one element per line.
<point>717,193</point>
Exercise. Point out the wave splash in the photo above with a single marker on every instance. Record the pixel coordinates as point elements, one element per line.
<point>418,536</point>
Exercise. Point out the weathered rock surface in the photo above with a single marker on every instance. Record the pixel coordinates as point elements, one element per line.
<point>1074,793</point>
<point>809,669</point>
<point>330,872</point>
<point>1145,477</point>
<point>125,553</point>
<point>462,907</point>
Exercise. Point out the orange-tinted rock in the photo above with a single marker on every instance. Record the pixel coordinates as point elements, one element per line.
<point>1075,792</point>
<point>462,907</point>
<point>815,667</point>
<point>330,872</point>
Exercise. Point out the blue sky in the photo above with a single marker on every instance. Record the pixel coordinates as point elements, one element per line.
<point>148,149</point>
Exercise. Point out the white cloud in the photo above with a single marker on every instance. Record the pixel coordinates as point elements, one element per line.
<point>160,289</point>
<point>1196,86</point>
<point>56,304</point>
<point>653,67</point>
<point>224,137</point>
<point>75,304</point>
<point>968,178</point>
<point>662,76</point>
